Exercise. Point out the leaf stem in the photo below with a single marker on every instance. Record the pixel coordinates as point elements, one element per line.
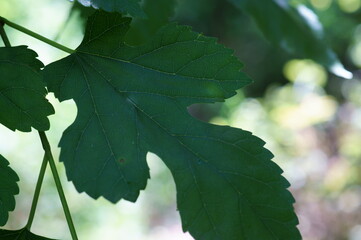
<point>37,193</point>
<point>35,35</point>
<point>49,156</point>
<point>4,37</point>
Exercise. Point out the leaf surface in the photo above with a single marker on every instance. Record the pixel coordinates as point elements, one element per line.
<point>22,91</point>
<point>123,6</point>
<point>295,29</point>
<point>158,14</point>
<point>8,189</point>
<point>22,234</point>
<point>132,100</point>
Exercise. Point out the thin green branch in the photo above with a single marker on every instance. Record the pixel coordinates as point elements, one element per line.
<point>37,193</point>
<point>35,35</point>
<point>4,37</point>
<point>49,156</point>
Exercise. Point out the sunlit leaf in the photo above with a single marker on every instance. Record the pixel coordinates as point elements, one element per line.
<point>123,6</point>
<point>22,91</point>
<point>8,189</point>
<point>133,100</point>
<point>295,29</point>
<point>22,234</point>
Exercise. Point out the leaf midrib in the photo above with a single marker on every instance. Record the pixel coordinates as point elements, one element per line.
<point>218,81</point>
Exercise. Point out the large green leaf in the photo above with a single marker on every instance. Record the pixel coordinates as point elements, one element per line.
<point>8,189</point>
<point>22,234</point>
<point>296,29</point>
<point>132,100</point>
<point>22,91</point>
<point>123,6</point>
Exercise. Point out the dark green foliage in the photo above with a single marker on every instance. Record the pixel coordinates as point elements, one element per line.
<point>296,29</point>
<point>133,100</point>
<point>8,189</point>
<point>22,234</point>
<point>22,92</point>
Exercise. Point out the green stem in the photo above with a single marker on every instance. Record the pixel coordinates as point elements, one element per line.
<point>4,37</point>
<point>35,35</point>
<point>37,193</point>
<point>49,156</point>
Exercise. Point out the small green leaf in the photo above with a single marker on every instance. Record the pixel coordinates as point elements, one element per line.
<point>133,100</point>
<point>22,234</point>
<point>8,189</point>
<point>22,91</point>
<point>122,6</point>
<point>295,29</point>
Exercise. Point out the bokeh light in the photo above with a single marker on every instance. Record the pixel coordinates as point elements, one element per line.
<point>349,6</point>
<point>321,4</point>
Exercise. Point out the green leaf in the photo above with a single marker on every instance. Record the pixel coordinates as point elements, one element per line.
<point>8,189</point>
<point>133,100</point>
<point>22,92</point>
<point>295,29</point>
<point>22,234</point>
<point>123,6</point>
<point>158,14</point>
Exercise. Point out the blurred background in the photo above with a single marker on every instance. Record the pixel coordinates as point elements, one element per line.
<point>309,118</point>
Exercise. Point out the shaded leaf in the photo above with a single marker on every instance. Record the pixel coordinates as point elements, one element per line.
<point>133,100</point>
<point>8,189</point>
<point>22,234</point>
<point>22,92</point>
<point>295,29</point>
<point>123,6</point>
<point>158,14</point>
